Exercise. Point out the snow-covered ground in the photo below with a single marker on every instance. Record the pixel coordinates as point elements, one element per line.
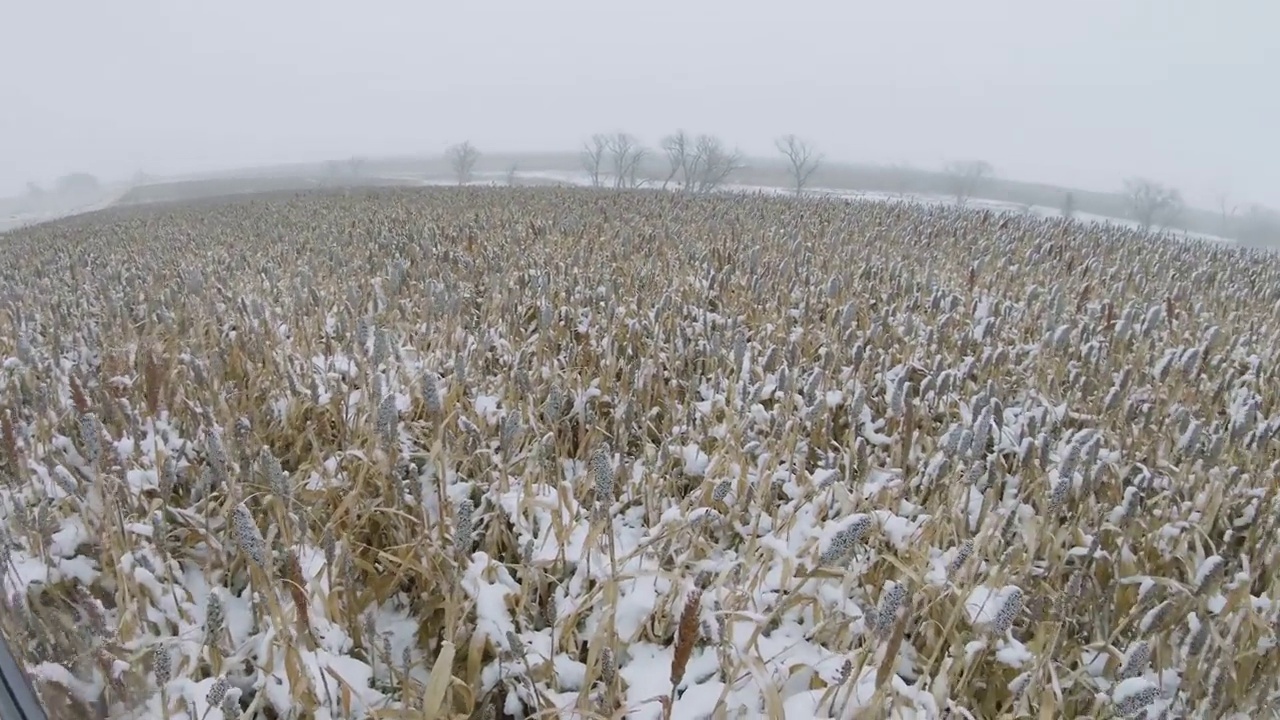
<point>582,179</point>
<point>10,222</point>
<point>861,488</point>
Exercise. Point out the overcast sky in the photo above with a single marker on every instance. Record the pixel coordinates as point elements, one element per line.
<point>1079,92</point>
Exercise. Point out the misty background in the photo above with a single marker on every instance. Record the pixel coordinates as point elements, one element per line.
<point>1080,95</point>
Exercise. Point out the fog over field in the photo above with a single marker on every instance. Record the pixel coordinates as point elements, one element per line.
<point>1081,94</point>
<point>697,361</point>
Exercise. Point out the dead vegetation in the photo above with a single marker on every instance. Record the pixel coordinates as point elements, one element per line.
<point>549,453</point>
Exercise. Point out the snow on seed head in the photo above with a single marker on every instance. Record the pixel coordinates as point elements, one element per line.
<point>899,399</point>
<point>886,613</point>
<point>861,454</point>
<point>1197,640</point>
<point>1189,442</point>
<point>976,474</point>
<point>431,395</point>
<point>1217,444</point>
<point>213,616</point>
<point>90,438</point>
<point>844,541</point>
<point>814,384</point>
<point>510,433</point>
<point>982,430</point>
<point>1070,458</point>
<point>554,407</point>
<point>950,441</point>
<point>602,471</point>
<point>460,368</point>
<point>244,426</point>
<point>1132,696</point>
<point>1112,400</point>
<point>218,692</point>
<point>1044,446</point>
<point>162,664</point>
<point>216,451</point>
<point>856,405</point>
<point>362,332</point>
<point>939,466</point>
<point>65,481</point>
<point>607,665</point>
<point>464,530</point>
<point>1190,362</point>
<point>157,527</point>
<point>926,386</point>
<point>381,347</point>
<point>1155,617</point>
<point>1136,660</point>
<point>230,705</point>
<point>274,473</point>
<point>962,554</point>
<point>1008,612</point>
<point>1209,572</point>
<point>1058,496</point>
<point>388,421</point>
<point>724,487</point>
<point>946,381</point>
<point>247,536</point>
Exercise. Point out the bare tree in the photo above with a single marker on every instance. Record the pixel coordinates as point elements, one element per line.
<point>698,164</point>
<point>77,183</point>
<point>966,176</point>
<point>35,196</point>
<point>678,148</point>
<point>711,164</point>
<point>593,153</point>
<point>625,155</point>
<point>1069,205</point>
<point>1150,202</point>
<point>1227,211</point>
<point>802,159</point>
<point>462,158</point>
<point>1258,226</point>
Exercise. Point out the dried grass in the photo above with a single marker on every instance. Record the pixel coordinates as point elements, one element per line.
<point>484,453</point>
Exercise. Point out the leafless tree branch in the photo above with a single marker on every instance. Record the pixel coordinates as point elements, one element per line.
<point>462,158</point>
<point>625,154</point>
<point>593,153</point>
<point>966,176</point>
<point>1150,202</point>
<point>711,164</point>
<point>678,149</point>
<point>802,159</point>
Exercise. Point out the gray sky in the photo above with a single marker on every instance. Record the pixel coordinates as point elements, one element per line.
<point>1078,92</point>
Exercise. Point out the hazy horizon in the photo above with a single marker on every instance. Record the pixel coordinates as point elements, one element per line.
<point>1083,94</point>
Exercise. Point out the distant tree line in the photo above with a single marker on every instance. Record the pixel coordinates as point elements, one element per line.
<point>685,162</point>
<point>71,184</point>
<point>701,163</point>
<point>66,191</point>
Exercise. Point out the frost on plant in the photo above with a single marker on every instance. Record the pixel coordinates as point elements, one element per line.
<point>550,452</point>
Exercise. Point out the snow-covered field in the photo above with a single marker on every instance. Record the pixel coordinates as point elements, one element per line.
<point>17,220</point>
<point>582,179</point>
<point>444,455</point>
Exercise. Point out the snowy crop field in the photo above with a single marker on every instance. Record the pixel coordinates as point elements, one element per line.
<point>518,453</point>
